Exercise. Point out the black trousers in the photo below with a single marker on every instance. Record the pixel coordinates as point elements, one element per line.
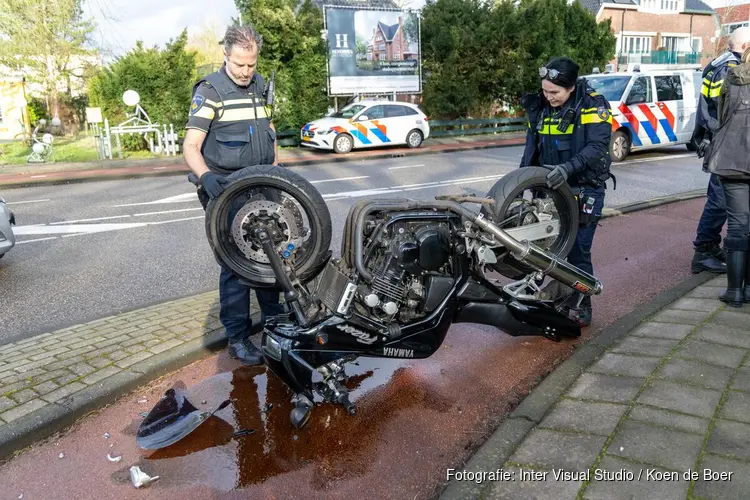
<point>737,196</point>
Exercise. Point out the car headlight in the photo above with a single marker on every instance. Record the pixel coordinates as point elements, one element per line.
<point>325,132</point>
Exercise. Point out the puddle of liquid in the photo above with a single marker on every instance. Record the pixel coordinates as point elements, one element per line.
<point>334,444</point>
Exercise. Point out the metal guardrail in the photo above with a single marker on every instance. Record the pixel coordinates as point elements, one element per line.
<point>439,128</point>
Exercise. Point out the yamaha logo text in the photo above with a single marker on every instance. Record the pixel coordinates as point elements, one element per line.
<point>398,353</point>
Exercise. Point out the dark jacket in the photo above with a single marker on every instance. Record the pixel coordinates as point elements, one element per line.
<point>707,118</point>
<point>729,154</point>
<point>583,144</point>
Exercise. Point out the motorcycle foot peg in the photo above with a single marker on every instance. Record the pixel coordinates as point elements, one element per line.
<point>551,334</point>
<point>350,407</point>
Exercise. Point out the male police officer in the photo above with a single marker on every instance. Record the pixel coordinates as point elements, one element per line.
<point>570,127</point>
<point>229,128</point>
<point>708,254</point>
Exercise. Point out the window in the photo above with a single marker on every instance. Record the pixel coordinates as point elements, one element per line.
<point>396,56</point>
<point>348,111</point>
<point>729,28</point>
<point>661,5</point>
<point>676,43</point>
<point>611,87</point>
<point>636,45</point>
<point>394,111</point>
<point>668,88</point>
<point>641,91</point>
<point>381,57</point>
<point>375,113</point>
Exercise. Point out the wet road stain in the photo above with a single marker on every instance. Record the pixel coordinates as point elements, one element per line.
<point>334,444</point>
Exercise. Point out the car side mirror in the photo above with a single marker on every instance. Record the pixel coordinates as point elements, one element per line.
<point>362,118</point>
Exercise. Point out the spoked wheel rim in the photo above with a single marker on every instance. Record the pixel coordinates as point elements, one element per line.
<point>414,139</point>
<point>344,144</point>
<point>619,146</point>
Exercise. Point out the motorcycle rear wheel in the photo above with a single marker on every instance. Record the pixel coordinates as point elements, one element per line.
<point>269,186</point>
<point>508,192</point>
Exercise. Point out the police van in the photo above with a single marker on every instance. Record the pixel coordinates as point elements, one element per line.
<point>650,109</point>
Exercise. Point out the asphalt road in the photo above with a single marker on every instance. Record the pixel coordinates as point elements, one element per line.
<point>91,250</point>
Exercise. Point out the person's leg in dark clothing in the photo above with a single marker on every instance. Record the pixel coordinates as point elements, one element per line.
<point>580,256</point>
<point>234,313</point>
<point>708,254</point>
<point>737,196</point>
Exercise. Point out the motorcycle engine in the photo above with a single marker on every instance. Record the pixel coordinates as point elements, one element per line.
<point>405,256</point>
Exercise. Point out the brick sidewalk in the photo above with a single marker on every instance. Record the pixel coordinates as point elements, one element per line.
<point>670,396</point>
<point>56,377</point>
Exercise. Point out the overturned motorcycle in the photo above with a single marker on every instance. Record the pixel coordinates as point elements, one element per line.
<point>407,271</point>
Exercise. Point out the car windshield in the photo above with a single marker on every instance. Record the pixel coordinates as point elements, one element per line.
<point>610,86</point>
<point>348,111</point>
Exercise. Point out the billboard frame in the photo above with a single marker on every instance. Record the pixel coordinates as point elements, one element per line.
<point>372,9</point>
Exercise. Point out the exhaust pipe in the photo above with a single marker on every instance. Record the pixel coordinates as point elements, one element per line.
<point>549,264</point>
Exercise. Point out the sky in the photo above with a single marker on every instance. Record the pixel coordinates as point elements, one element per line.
<point>122,22</point>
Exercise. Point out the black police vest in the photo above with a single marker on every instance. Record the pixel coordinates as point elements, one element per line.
<point>240,134</point>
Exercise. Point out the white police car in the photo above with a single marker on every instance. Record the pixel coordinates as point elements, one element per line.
<point>650,109</point>
<point>367,124</point>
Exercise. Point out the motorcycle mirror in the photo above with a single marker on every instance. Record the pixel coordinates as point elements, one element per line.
<point>171,419</point>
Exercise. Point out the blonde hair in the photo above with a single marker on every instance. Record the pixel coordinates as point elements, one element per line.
<point>746,55</point>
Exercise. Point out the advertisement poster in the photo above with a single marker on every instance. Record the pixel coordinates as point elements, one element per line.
<point>372,51</point>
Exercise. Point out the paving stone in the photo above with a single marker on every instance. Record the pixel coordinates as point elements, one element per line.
<point>131,360</point>
<point>662,330</point>
<point>695,373</point>
<point>63,391</point>
<point>6,403</point>
<point>16,364</point>
<point>736,407</point>
<point>642,485</point>
<point>82,369</point>
<point>682,398</point>
<point>99,362</point>
<point>693,304</point>
<point>22,410</point>
<point>45,387</point>
<point>621,364</point>
<point>23,396</point>
<point>719,281</point>
<point>549,449</point>
<point>680,316</point>
<point>117,355</point>
<point>666,418</point>
<point>736,487</point>
<point>731,318</point>
<point>645,346</point>
<point>86,343</point>
<point>48,354</point>
<point>165,346</point>
<point>134,348</point>
<point>582,416</point>
<point>523,487</point>
<point>722,334</point>
<point>730,438</point>
<point>706,292</point>
<point>672,449</point>
<point>715,354</point>
<point>100,375</point>
<point>38,379</point>
<point>605,388</point>
<point>10,388</point>
<point>66,363</point>
<point>66,379</point>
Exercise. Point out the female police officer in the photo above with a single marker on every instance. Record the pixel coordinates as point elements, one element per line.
<point>570,127</point>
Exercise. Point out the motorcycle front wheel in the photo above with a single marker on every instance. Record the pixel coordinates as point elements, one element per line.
<point>284,203</point>
<point>521,198</point>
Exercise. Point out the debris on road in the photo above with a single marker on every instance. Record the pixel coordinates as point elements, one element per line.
<point>106,435</point>
<point>140,478</point>
<point>61,455</point>
<point>243,432</point>
<point>114,459</point>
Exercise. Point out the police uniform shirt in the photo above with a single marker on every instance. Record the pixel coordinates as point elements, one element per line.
<point>236,120</point>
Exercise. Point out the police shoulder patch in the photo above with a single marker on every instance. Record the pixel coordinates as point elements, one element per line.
<point>603,113</point>
<point>198,101</point>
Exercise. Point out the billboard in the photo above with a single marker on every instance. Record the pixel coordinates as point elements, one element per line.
<point>372,51</point>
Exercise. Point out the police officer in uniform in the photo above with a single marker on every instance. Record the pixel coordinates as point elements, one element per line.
<point>230,128</point>
<point>708,254</point>
<point>570,127</point>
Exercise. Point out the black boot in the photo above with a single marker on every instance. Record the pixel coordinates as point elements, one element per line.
<point>736,249</point>
<point>246,352</point>
<point>706,258</point>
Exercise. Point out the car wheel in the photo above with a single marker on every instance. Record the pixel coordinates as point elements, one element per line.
<point>343,143</point>
<point>414,139</point>
<point>619,148</point>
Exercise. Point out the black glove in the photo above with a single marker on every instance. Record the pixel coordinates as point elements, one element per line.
<point>558,176</point>
<point>702,147</point>
<point>213,184</point>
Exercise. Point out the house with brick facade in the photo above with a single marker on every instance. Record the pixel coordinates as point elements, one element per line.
<point>659,34</point>
<point>732,15</point>
<point>389,43</point>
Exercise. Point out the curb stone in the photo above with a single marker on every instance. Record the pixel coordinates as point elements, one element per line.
<point>532,409</point>
<point>56,417</point>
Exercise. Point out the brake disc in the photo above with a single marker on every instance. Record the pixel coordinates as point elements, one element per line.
<point>284,222</point>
